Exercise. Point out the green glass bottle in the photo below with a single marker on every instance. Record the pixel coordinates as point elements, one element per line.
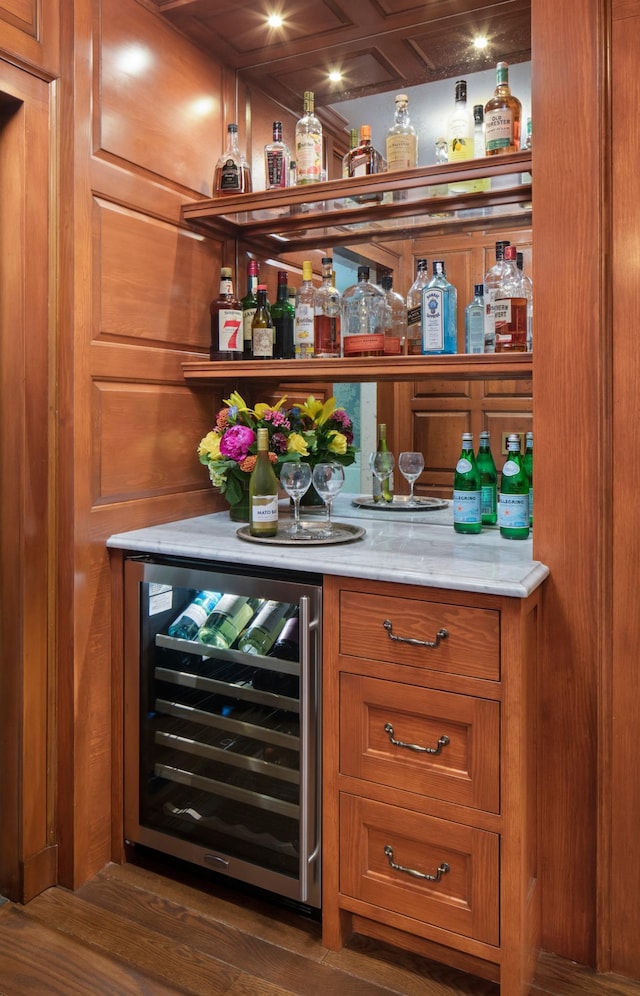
<point>528,466</point>
<point>230,616</point>
<point>263,491</point>
<point>283,313</point>
<point>513,508</point>
<point>249,304</point>
<point>488,482</point>
<point>467,515</point>
<point>383,490</point>
<point>265,628</point>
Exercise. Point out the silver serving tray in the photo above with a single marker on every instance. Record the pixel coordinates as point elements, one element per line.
<point>342,533</point>
<point>400,503</point>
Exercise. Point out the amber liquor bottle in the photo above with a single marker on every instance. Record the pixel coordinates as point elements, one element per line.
<point>502,116</point>
<point>232,173</point>
<point>226,321</point>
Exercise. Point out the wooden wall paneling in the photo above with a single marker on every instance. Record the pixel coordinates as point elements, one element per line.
<point>30,33</point>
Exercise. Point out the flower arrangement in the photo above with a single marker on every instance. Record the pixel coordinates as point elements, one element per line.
<point>314,432</point>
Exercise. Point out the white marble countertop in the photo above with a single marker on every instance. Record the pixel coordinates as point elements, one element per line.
<point>418,548</point>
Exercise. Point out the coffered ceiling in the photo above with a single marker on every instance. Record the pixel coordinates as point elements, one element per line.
<point>378,45</point>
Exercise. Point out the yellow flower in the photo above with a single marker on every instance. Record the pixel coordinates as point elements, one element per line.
<point>237,401</point>
<point>316,411</point>
<point>296,444</point>
<point>261,408</point>
<point>337,442</point>
<point>209,447</point>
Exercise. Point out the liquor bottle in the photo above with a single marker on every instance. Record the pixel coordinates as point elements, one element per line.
<point>264,628</point>
<point>364,160</point>
<point>263,489</point>
<point>186,625</point>
<point>527,143</point>
<point>308,144</point>
<point>527,285</point>
<point>382,490</point>
<point>467,511</point>
<point>502,115</point>
<point>395,318</point>
<point>492,280</point>
<point>249,304</point>
<point>293,179</point>
<point>402,141</point>
<point>474,322</point>
<point>510,307</point>
<point>276,160</point>
<point>226,321</point>
<point>326,313</point>
<point>527,460</point>
<point>488,481</point>
<point>414,309</point>
<point>353,142</point>
<point>513,505</point>
<point>282,314</point>
<point>439,313</point>
<point>362,326</point>
<point>262,333</point>
<point>303,318</point>
<point>232,174</point>
<point>479,145</point>
<point>230,616</point>
<point>460,136</point>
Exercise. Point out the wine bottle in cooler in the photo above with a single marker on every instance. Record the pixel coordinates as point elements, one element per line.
<point>264,629</point>
<point>186,625</point>
<point>230,616</point>
<point>513,506</point>
<point>263,491</point>
<point>467,514</point>
<point>287,646</point>
<point>488,481</point>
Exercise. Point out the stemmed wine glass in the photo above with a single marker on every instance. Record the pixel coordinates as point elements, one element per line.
<point>295,477</point>
<point>411,466</point>
<point>382,464</point>
<point>328,480</point>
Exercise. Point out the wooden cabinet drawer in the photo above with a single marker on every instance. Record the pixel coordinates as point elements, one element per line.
<point>465,770</point>
<point>470,648</point>
<point>464,900</point>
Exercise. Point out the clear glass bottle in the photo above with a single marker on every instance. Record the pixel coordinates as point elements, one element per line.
<point>414,308</point>
<point>513,504</point>
<point>308,144</point>
<point>303,318</point>
<point>249,304</point>
<point>353,142</point>
<point>474,322</point>
<point>528,466</point>
<point>362,325</point>
<point>276,160</point>
<point>226,321</point>
<point>382,490</point>
<point>510,307</point>
<point>527,285</point>
<point>263,490</point>
<point>186,625</point>
<point>326,317</point>
<point>488,481</point>
<point>364,160</point>
<point>395,318</point>
<point>492,280</point>
<point>228,619</point>
<point>264,629</point>
<point>283,315</point>
<point>262,333</point>
<point>232,173</point>
<point>502,114</point>
<point>467,513</point>
<point>478,146</point>
<point>439,313</point>
<point>460,136</point>
<point>402,140</point>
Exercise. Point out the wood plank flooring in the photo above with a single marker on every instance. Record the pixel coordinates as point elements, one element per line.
<point>138,930</point>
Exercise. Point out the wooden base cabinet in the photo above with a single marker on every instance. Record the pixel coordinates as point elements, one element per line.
<point>430,830</point>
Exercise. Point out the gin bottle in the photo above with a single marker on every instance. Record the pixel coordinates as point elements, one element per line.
<point>308,144</point>
<point>513,507</point>
<point>362,325</point>
<point>402,141</point>
<point>230,616</point>
<point>488,481</point>
<point>326,313</point>
<point>474,322</point>
<point>187,624</point>
<point>414,309</point>
<point>467,512</point>
<point>439,313</point>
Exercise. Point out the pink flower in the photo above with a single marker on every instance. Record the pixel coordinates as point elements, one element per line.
<point>236,442</point>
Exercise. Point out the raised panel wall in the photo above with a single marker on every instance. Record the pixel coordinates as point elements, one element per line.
<point>29,31</point>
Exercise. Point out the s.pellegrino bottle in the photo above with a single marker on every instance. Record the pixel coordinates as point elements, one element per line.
<point>263,491</point>
<point>383,490</point>
<point>513,507</point>
<point>230,616</point>
<point>264,629</point>
<point>488,481</point>
<point>186,625</point>
<point>467,514</point>
<point>528,466</point>
<point>439,313</point>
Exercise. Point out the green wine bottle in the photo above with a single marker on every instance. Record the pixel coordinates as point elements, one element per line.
<point>265,628</point>
<point>528,466</point>
<point>488,482</point>
<point>383,490</point>
<point>467,514</point>
<point>263,492</point>
<point>513,508</point>
<point>232,614</point>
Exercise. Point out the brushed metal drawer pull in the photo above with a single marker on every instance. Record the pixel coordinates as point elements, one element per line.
<point>442,868</point>
<point>442,634</point>
<point>442,742</point>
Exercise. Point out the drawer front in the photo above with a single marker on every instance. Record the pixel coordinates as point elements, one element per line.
<point>464,899</point>
<point>471,647</point>
<point>447,746</point>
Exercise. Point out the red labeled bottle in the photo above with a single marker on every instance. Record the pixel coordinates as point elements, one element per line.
<point>226,321</point>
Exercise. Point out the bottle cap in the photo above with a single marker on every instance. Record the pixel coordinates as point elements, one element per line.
<point>232,127</point>
<point>467,437</point>
<point>510,252</point>
<point>461,90</point>
<point>283,276</point>
<point>307,270</point>
<point>262,287</point>
<point>386,281</point>
<point>478,290</point>
<point>365,133</point>
<point>226,272</point>
<point>402,98</point>
<point>438,266</point>
<point>327,260</point>
<point>478,114</point>
<point>422,264</point>
<point>253,268</point>
<point>363,273</point>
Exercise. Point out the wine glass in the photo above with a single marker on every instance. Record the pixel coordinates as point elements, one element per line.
<point>382,464</point>
<point>328,480</point>
<point>295,477</point>
<point>411,465</point>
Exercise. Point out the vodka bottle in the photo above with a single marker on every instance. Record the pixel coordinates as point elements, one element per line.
<point>283,314</point>
<point>308,144</point>
<point>414,309</point>
<point>362,325</point>
<point>364,160</point>
<point>527,285</point>
<point>303,317</point>
<point>228,619</point>
<point>467,513</point>
<point>439,313</point>
<point>513,506</point>
<point>491,284</point>
<point>460,136</point>
<point>232,173</point>
<point>510,307</point>
<point>263,490</point>
<point>264,628</point>
<point>502,115</point>
<point>395,318</point>
<point>276,160</point>
<point>186,625</point>
<point>226,321</point>
<point>402,141</point>
<point>262,334</point>
<point>488,481</point>
<point>474,322</point>
<point>326,313</point>
<point>249,303</point>
<point>353,142</point>
<point>528,466</point>
<point>382,490</point>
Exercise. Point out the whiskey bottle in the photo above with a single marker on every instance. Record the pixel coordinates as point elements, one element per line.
<point>303,317</point>
<point>460,136</point>
<point>488,481</point>
<point>230,616</point>
<point>226,321</point>
<point>362,326</point>
<point>264,629</point>
<point>263,488</point>
<point>395,318</point>
<point>186,625</point>
<point>282,314</point>
<point>249,304</point>
<point>364,160</point>
<point>492,280</point>
<point>502,114</point>
<point>414,309</point>
<point>308,144</point>
<point>262,334</point>
<point>510,307</point>
<point>276,160</point>
<point>326,313</point>
<point>527,286</point>
<point>232,174</point>
<point>474,322</point>
<point>439,313</point>
<point>467,513</point>
<point>402,141</point>
<point>513,505</point>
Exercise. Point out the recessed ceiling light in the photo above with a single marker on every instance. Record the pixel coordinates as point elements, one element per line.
<point>275,21</point>
<point>480,42</point>
<point>335,76</point>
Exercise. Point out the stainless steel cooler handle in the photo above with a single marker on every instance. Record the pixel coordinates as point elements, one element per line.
<point>309,844</point>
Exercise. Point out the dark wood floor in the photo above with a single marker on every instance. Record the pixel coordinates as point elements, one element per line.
<point>135,930</point>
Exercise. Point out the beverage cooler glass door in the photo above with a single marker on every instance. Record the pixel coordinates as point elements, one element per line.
<point>222,720</point>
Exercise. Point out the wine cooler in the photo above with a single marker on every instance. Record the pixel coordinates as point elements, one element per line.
<point>222,720</point>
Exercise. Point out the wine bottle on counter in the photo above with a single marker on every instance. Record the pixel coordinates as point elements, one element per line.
<point>263,491</point>
<point>186,625</point>
<point>230,616</point>
<point>467,513</point>
<point>263,631</point>
<point>383,490</point>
